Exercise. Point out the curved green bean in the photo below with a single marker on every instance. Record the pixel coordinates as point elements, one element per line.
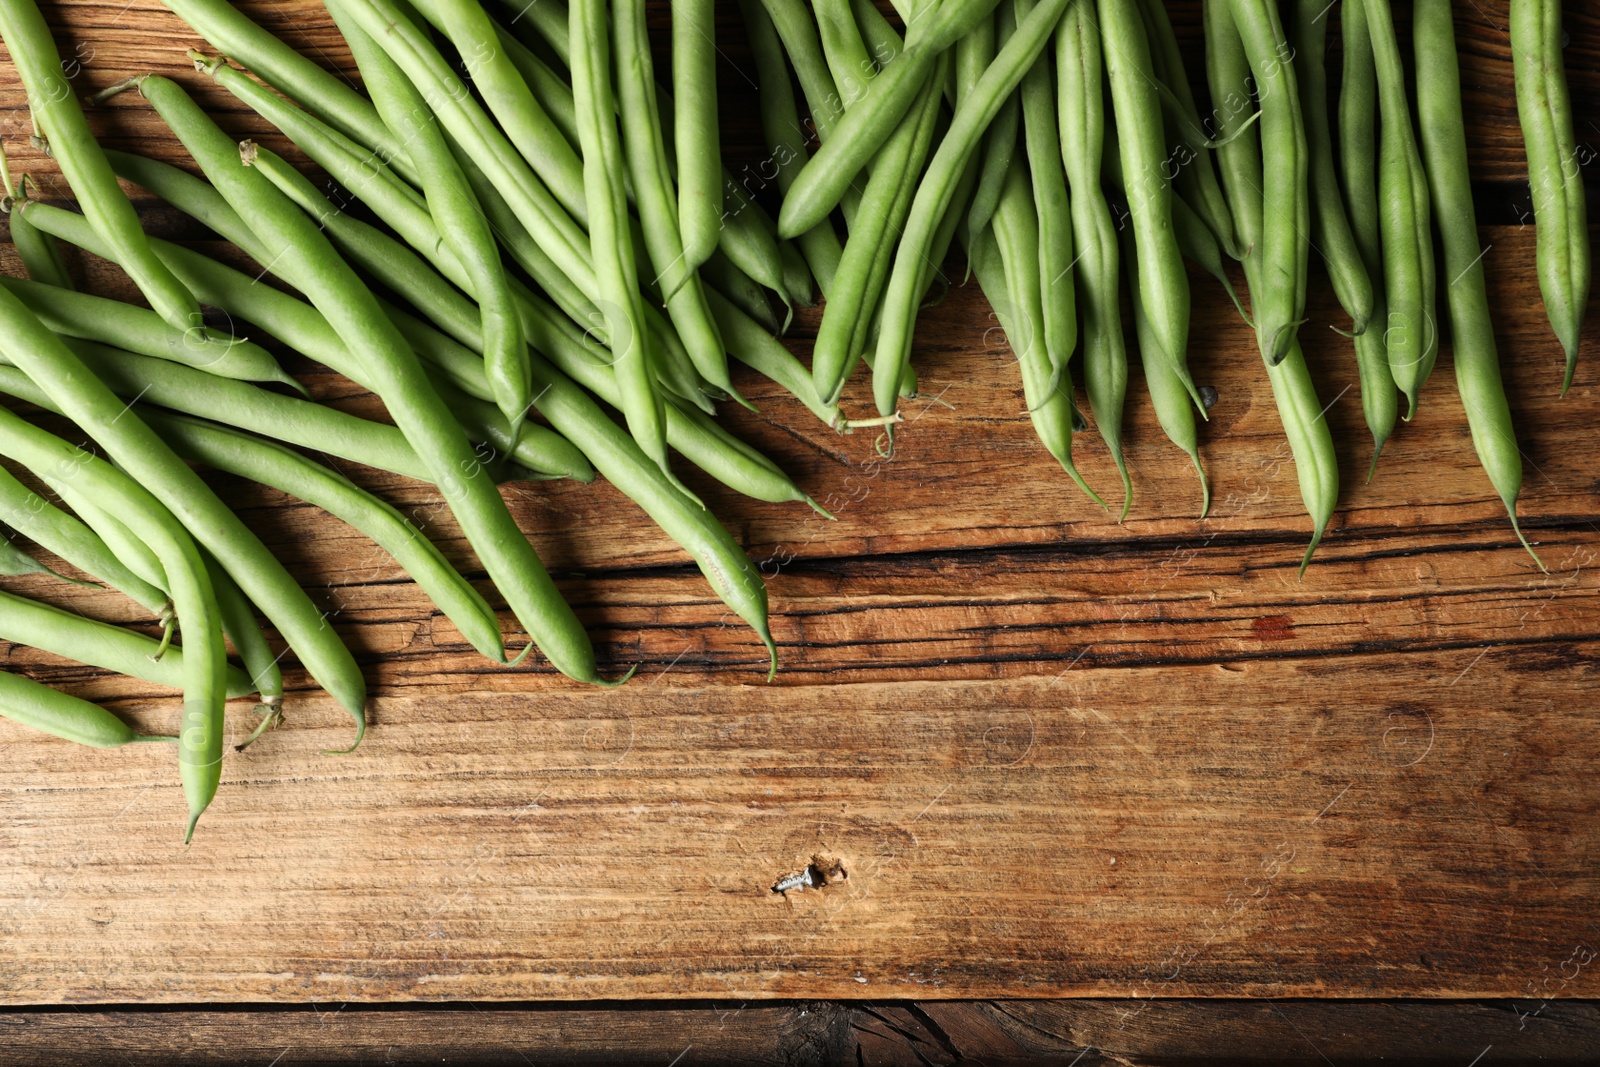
<point>60,120</point>
<point>1444,156</point>
<point>239,625</point>
<point>1410,336</point>
<point>1555,177</point>
<point>1081,114</point>
<point>972,117</point>
<point>35,705</point>
<point>1358,173</point>
<point>39,252</point>
<point>1042,138</point>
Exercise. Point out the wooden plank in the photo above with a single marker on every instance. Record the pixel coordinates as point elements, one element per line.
<point>1165,1033</point>
<point>1404,825</point>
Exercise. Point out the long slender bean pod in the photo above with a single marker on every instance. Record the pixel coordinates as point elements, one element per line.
<point>1330,225</point>
<point>1041,134</point>
<point>455,208</point>
<point>1081,113</point>
<point>239,625</point>
<point>39,707</point>
<point>301,250</point>
<point>1000,139</point>
<point>1444,156</point>
<point>1136,106</point>
<point>1555,177</point>
<point>206,681</point>
<point>659,211</point>
<point>1411,336</point>
<point>1278,295</point>
<point>1358,174</point>
<point>933,196</point>
<point>60,120</point>
<point>694,91</point>
<point>39,252</point>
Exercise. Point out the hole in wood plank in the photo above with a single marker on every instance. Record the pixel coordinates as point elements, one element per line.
<point>821,872</point>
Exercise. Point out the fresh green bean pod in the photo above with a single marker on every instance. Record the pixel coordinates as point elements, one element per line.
<point>1278,295</point>
<point>1358,174</point>
<point>618,285</point>
<point>96,318</point>
<point>780,122</point>
<point>1136,106</point>
<point>39,707</point>
<point>862,129</point>
<point>69,538</point>
<point>14,562</point>
<point>1444,156</point>
<point>1041,134</point>
<point>225,449</point>
<point>1081,114</point>
<point>1196,172</point>
<point>1046,388</point>
<point>302,251</point>
<point>59,119</point>
<point>206,681</point>
<point>694,91</point>
<point>1239,152</point>
<point>548,20</point>
<point>1330,225</point>
<point>509,100</point>
<point>460,217</point>
<point>659,209</point>
<point>1411,336</point>
<point>39,252</point>
<point>1555,174</point>
<point>933,196</point>
<point>1000,139</point>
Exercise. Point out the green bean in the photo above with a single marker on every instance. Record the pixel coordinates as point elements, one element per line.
<point>15,562</point>
<point>878,220</point>
<point>671,256</point>
<point>240,626</point>
<point>1000,140</point>
<point>1239,152</point>
<point>1081,114</point>
<point>843,47</point>
<point>1196,175</point>
<point>734,285</point>
<point>798,285</point>
<point>99,644</point>
<point>1555,176</point>
<point>1358,172</point>
<point>780,122</point>
<point>225,449</point>
<point>621,310</point>
<point>862,129</point>
<point>694,90</point>
<point>60,121</point>
<point>39,707</point>
<point>756,349</point>
<point>330,98</point>
<point>1167,395</point>
<point>797,29</point>
<point>69,538</point>
<point>1042,138</point>
<point>1303,417</point>
<point>300,250</point>
<point>39,252</point>
<point>1444,156</point>
<point>1199,245</point>
<point>96,318</point>
<point>1409,282</point>
<point>1330,226</point>
<point>549,21</point>
<point>1046,388</point>
<point>460,218</point>
<point>510,102</point>
<point>205,683</point>
<point>938,185</point>
<point>547,221</point>
<point>1136,106</point>
<point>123,542</point>
<point>1278,296</point>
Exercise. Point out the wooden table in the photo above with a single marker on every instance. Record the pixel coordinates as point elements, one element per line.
<point>1057,757</point>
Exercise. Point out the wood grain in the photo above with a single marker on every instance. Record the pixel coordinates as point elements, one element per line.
<point>1058,756</point>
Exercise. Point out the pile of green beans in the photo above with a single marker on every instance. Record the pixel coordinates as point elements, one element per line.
<point>543,224</point>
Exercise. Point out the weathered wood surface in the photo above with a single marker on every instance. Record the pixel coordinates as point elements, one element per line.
<point>1057,756</point>
<point>1089,1033</point>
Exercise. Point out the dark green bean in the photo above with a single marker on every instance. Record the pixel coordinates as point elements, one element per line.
<point>1555,174</point>
<point>1444,156</point>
